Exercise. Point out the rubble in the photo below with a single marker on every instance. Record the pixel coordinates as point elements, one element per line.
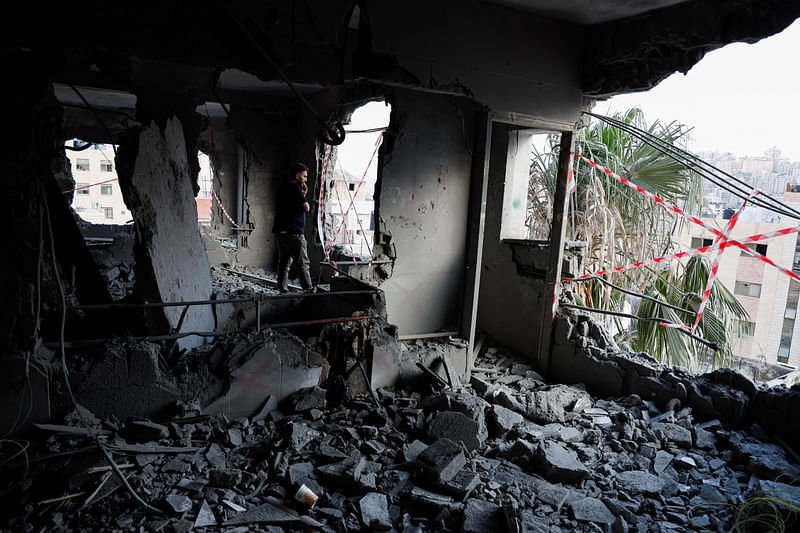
<point>456,459</point>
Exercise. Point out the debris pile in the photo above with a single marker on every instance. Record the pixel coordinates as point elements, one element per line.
<point>507,452</point>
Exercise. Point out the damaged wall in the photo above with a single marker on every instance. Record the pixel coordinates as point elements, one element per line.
<point>423,186</point>
<point>171,263</point>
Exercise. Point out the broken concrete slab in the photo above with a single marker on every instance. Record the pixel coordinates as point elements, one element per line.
<point>205,516</point>
<point>127,382</point>
<point>442,460</point>
<point>544,407</point>
<point>179,503</point>
<point>263,514</point>
<point>481,516</point>
<point>674,433</point>
<point>639,482</point>
<point>375,512</point>
<point>457,427</point>
<point>277,368</point>
<point>503,420</point>
<point>591,510</point>
<point>305,399</point>
<point>559,464</point>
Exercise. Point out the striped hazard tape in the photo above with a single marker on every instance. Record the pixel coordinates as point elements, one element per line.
<point>721,242</point>
<point>715,265</point>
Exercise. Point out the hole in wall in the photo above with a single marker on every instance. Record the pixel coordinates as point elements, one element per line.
<point>203,200</point>
<point>96,197</point>
<point>349,189</point>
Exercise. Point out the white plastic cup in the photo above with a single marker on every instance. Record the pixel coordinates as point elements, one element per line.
<point>306,496</point>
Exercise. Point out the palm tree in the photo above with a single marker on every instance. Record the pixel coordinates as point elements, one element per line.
<point>620,227</point>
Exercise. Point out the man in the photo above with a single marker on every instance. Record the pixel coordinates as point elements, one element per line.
<point>290,222</point>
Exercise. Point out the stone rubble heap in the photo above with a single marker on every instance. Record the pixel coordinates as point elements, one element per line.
<point>508,452</point>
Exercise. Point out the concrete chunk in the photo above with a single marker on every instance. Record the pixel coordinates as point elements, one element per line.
<point>482,517</point>
<point>458,427</point>
<point>559,464</point>
<point>442,460</point>
<point>503,419</point>
<point>591,510</point>
<point>305,399</point>
<point>375,512</point>
<point>639,482</point>
<point>675,433</point>
<point>545,407</point>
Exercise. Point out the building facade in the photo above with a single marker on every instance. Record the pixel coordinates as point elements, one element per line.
<point>97,197</point>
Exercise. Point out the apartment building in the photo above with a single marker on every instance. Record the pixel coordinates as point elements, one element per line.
<point>769,296</point>
<point>97,197</point>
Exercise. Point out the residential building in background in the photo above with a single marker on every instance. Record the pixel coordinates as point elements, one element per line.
<point>769,174</point>
<point>97,197</point>
<point>769,296</point>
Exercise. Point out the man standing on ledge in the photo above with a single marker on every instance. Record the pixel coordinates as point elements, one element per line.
<point>290,223</point>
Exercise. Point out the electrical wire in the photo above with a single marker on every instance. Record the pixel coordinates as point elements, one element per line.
<point>97,116</point>
<point>696,164</point>
<point>639,295</point>
<point>713,345</point>
<point>335,137</point>
<point>693,162</point>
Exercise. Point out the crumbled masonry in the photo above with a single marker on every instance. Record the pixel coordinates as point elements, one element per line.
<point>621,463</point>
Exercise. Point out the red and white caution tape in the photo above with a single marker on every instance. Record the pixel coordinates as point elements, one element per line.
<point>694,220</point>
<point>358,188</point>
<point>224,211</point>
<point>722,241</point>
<point>715,264</point>
<point>91,185</point>
<point>697,251</point>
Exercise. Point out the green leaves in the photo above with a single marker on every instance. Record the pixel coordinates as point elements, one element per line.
<point>622,227</point>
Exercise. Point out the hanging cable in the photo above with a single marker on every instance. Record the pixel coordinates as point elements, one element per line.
<point>639,295</point>
<point>712,345</point>
<point>335,134</point>
<point>98,117</point>
<point>694,163</point>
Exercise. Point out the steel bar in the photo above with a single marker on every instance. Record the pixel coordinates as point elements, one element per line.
<point>216,333</point>
<point>261,297</point>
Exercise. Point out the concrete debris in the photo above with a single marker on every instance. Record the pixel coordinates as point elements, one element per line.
<point>591,510</point>
<point>545,407</point>
<point>442,460</point>
<point>375,512</point>
<point>455,460</point>
<point>305,399</point>
<point>558,464</point>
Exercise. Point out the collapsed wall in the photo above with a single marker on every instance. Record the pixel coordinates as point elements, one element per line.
<point>583,352</point>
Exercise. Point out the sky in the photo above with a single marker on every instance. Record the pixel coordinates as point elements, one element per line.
<point>358,148</point>
<point>741,98</point>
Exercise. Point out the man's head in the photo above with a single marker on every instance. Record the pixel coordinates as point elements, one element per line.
<point>299,173</point>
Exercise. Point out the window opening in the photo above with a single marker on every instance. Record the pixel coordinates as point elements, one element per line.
<point>205,181</point>
<point>531,169</point>
<point>745,288</point>
<point>97,198</point>
<point>351,174</point>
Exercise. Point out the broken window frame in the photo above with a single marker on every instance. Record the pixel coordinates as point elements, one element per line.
<point>517,223</point>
